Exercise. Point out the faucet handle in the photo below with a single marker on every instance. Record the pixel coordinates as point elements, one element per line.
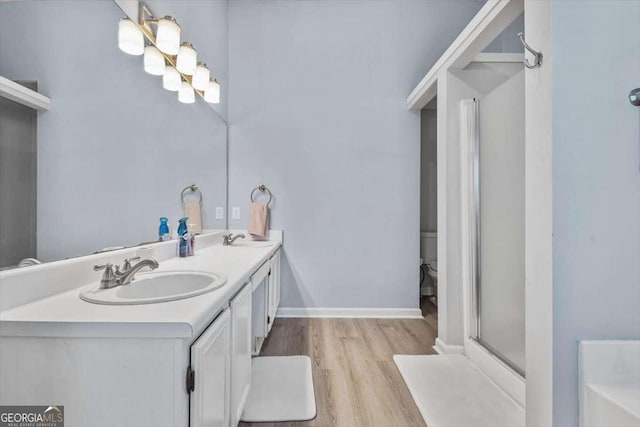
<point>127,262</point>
<point>109,278</point>
<point>107,266</point>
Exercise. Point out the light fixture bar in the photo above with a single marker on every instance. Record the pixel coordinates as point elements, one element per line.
<point>145,18</point>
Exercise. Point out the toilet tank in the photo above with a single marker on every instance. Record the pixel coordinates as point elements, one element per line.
<point>428,246</point>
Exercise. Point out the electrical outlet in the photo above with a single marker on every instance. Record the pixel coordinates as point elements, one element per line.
<point>235,213</point>
<point>219,213</point>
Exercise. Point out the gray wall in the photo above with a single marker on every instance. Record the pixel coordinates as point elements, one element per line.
<point>319,115</point>
<point>428,170</point>
<point>116,149</point>
<point>508,41</point>
<point>596,185</point>
<point>18,151</point>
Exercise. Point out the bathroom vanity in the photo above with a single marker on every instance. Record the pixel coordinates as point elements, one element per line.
<point>185,362</point>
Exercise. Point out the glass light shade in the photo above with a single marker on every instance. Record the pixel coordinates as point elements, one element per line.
<point>201,77</point>
<point>153,61</point>
<point>212,93</point>
<point>168,35</point>
<point>186,94</point>
<point>171,79</point>
<point>130,38</point>
<point>187,59</point>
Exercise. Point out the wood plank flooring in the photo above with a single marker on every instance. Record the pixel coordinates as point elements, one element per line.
<point>356,381</point>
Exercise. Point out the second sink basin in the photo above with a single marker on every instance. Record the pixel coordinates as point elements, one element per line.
<point>148,288</point>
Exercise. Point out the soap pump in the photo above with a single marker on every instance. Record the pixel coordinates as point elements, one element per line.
<point>163,232</point>
<point>183,238</point>
<point>192,240</point>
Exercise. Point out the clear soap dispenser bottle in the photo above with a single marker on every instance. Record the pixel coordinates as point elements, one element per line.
<point>192,240</point>
<point>183,238</point>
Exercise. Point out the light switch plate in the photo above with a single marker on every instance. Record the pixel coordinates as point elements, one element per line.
<point>235,213</point>
<point>219,212</point>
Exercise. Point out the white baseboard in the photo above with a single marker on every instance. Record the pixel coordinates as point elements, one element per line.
<point>374,313</point>
<point>442,347</point>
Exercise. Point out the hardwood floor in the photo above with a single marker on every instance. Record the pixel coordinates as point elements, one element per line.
<point>356,381</point>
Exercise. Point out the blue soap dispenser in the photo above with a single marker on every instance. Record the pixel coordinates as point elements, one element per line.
<point>183,237</point>
<point>163,232</point>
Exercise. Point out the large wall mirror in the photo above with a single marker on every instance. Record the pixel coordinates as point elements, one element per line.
<point>114,151</point>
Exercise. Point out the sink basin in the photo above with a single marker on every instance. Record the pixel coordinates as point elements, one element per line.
<point>616,404</point>
<point>609,383</point>
<point>252,244</point>
<point>149,288</point>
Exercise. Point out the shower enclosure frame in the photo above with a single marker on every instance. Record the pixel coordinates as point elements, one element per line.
<point>455,312</point>
<point>475,236</point>
<point>490,361</point>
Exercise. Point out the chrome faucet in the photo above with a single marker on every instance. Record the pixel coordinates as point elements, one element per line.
<point>228,239</point>
<point>109,279</point>
<point>127,263</point>
<point>112,278</point>
<point>127,276</point>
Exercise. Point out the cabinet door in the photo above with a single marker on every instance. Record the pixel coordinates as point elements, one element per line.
<point>259,302</point>
<point>240,351</point>
<point>210,362</point>
<point>274,289</point>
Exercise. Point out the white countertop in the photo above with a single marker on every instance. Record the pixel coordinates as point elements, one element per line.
<point>66,315</point>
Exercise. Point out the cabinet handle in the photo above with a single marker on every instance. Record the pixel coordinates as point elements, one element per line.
<point>191,379</point>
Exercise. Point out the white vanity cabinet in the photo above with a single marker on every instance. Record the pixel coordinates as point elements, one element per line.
<point>273,290</point>
<point>260,304</point>
<point>240,351</point>
<point>208,377</point>
<point>266,298</point>
<point>133,367</point>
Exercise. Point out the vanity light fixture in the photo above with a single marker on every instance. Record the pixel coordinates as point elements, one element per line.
<point>166,56</point>
<point>130,38</point>
<point>187,59</point>
<point>212,93</point>
<point>201,77</point>
<point>153,61</point>
<point>171,79</point>
<point>186,94</point>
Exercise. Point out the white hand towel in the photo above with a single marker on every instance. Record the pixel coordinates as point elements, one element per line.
<point>193,211</point>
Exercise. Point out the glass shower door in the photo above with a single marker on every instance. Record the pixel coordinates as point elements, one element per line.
<point>499,211</point>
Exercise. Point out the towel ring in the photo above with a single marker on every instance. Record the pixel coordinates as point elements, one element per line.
<point>194,189</point>
<point>262,188</point>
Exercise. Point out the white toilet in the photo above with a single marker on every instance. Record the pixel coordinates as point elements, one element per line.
<point>429,255</point>
<point>433,273</point>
